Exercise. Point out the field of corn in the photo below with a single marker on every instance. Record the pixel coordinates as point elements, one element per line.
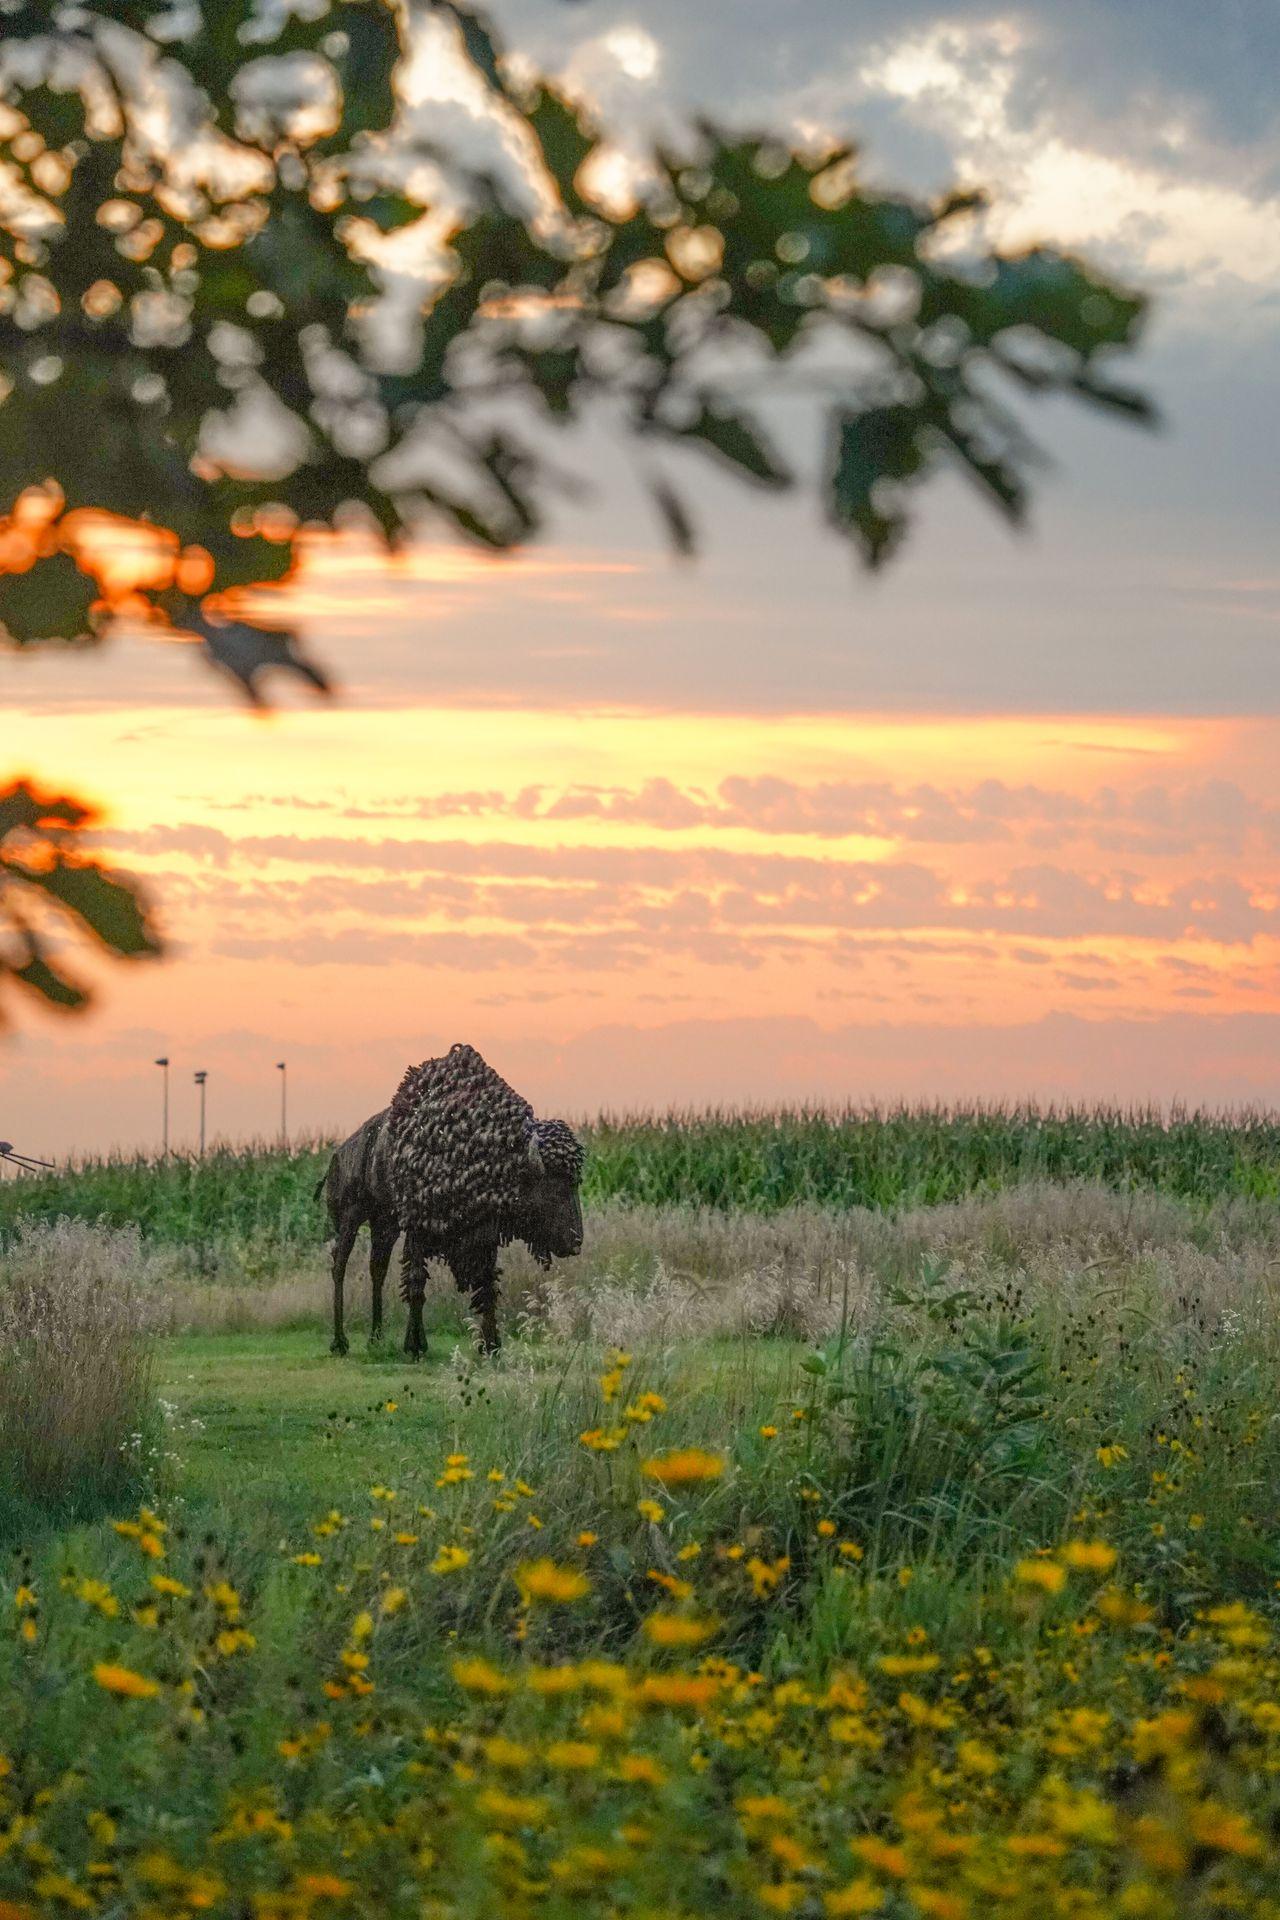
<point>254,1205</point>
<point>905,1549</point>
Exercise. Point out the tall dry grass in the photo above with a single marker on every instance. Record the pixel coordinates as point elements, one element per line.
<point>77,1410</point>
<point>676,1272</point>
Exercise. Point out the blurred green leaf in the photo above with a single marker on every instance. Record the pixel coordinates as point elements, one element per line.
<point>51,601</point>
<point>871,449</point>
<point>564,138</point>
<point>107,907</point>
<point>48,881</point>
<point>741,442</point>
<point>675,516</point>
<point>55,988</point>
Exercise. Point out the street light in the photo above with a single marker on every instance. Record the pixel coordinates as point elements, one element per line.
<point>200,1079</point>
<point>164,1062</point>
<point>283,1070</point>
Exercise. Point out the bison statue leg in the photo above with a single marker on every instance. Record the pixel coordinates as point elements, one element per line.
<point>384,1245</point>
<point>413,1286</point>
<point>475,1269</point>
<point>343,1241</point>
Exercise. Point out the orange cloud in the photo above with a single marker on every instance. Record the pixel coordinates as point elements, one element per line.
<point>527,878</point>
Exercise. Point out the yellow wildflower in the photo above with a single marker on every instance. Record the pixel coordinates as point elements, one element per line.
<point>235,1640</point>
<point>97,1594</point>
<point>478,1675</point>
<point>764,1575</point>
<point>641,1769</point>
<point>511,1809</point>
<point>1224,1830</point>
<point>544,1580</point>
<point>679,1689</point>
<point>550,1681</point>
<point>1089,1556</point>
<point>573,1756</point>
<point>1046,1574</point>
<point>862,1895</point>
<point>450,1559</point>
<point>124,1682</point>
<point>683,1466</point>
<point>678,1589</point>
<point>678,1630</point>
<point>881,1856</point>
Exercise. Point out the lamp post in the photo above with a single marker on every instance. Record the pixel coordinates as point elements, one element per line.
<point>200,1079</point>
<point>164,1062</point>
<point>283,1070</point>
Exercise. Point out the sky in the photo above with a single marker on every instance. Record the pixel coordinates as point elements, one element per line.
<point>1001,823</point>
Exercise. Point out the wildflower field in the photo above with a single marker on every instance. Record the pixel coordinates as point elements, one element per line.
<point>920,1563</point>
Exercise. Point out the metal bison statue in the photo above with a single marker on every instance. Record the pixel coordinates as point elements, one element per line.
<point>463,1166</point>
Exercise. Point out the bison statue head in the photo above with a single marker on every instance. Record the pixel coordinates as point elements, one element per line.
<point>549,1206</point>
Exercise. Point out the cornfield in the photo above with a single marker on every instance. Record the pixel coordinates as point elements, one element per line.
<point>255,1204</point>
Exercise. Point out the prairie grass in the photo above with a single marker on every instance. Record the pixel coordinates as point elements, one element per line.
<point>77,1414</point>
<point>684,1273</point>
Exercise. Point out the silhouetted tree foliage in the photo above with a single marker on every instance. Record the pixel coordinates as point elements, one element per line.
<point>246,294</point>
<point>47,879</point>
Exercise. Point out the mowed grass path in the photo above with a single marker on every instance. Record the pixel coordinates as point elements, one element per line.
<point>271,1430</point>
<point>272,1427</point>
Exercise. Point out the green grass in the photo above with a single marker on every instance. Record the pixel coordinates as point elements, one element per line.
<point>271,1428</point>
<point>253,1208</point>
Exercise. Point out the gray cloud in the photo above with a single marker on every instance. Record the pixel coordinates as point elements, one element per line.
<point>1115,70</point>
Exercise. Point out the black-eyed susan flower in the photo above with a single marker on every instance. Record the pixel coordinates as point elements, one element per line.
<point>451,1559</point>
<point>124,1682</point>
<point>684,1466</point>
<point>544,1580</point>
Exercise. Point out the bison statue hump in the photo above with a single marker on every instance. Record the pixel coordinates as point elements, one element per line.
<point>471,1169</point>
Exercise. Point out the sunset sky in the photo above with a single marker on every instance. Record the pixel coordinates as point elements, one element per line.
<point>1003,822</point>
